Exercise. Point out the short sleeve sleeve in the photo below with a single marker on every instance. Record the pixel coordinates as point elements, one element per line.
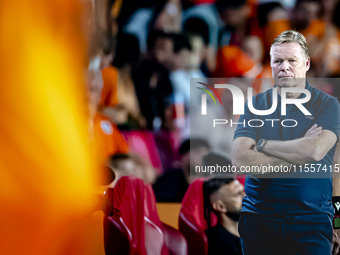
<point>329,117</point>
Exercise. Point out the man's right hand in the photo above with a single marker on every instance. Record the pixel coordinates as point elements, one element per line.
<point>314,131</point>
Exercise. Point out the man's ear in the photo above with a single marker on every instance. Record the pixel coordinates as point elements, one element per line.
<point>307,63</point>
<point>219,206</point>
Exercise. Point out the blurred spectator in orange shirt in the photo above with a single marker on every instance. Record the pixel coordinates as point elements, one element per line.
<point>106,137</point>
<point>233,62</point>
<point>126,113</point>
<point>109,98</point>
<point>109,93</point>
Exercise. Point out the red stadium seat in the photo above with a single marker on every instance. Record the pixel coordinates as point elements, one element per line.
<point>155,239</point>
<point>174,242</point>
<point>192,220</point>
<point>124,232</point>
<point>143,143</point>
<point>135,227</point>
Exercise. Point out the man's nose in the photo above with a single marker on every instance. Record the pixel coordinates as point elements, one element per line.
<point>285,65</point>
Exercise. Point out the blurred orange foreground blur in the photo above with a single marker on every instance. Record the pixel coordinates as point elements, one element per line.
<point>47,177</point>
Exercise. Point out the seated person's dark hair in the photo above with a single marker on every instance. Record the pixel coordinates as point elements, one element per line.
<point>211,186</point>
<point>197,26</point>
<point>181,42</point>
<point>212,159</point>
<point>127,50</point>
<point>191,144</point>
<point>115,158</point>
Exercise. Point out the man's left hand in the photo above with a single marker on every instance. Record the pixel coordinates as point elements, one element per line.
<point>336,241</point>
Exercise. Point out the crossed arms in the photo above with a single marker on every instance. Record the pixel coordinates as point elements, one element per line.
<point>312,147</point>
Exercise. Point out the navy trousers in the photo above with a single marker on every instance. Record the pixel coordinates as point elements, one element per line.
<point>260,236</point>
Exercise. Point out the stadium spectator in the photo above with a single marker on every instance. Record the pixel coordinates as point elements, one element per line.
<point>106,137</point>
<point>152,81</point>
<point>182,49</point>
<point>172,186</point>
<point>238,22</point>
<point>109,46</point>
<point>187,60</point>
<point>169,19</point>
<point>225,200</point>
<point>197,26</point>
<point>125,112</point>
<point>206,11</point>
<point>240,47</point>
<point>109,98</point>
<point>305,18</point>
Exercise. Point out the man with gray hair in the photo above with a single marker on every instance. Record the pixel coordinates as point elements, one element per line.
<point>289,212</point>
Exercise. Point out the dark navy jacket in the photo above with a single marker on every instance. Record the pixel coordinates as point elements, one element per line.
<point>306,196</point>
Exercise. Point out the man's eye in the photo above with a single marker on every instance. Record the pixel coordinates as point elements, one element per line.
<point>292,60</point>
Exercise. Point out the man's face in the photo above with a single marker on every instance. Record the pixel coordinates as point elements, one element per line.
<point>289,65</point>
<point>231,195</point>
<point>164,51</point>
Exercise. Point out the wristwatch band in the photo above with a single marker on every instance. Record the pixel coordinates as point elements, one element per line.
<point>260,144</point>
